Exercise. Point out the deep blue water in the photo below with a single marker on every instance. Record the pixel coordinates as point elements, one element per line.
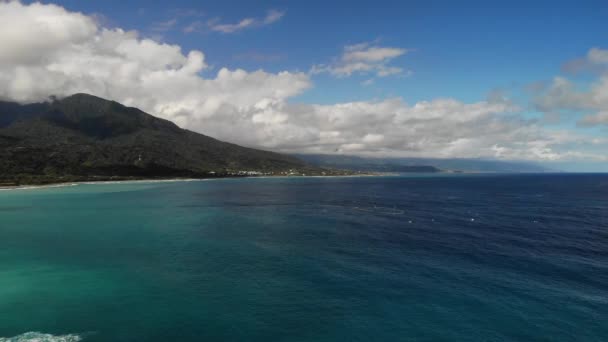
<point>438,258</point>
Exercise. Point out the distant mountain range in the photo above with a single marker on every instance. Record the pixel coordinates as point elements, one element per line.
<point>402,165</point>
<point>83,137</point>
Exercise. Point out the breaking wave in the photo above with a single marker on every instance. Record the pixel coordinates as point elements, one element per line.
<point>40,337</point>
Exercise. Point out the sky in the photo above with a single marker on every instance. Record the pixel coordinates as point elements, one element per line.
<point>515,80</point>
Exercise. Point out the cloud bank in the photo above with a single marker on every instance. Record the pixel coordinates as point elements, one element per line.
<point>48,50</point>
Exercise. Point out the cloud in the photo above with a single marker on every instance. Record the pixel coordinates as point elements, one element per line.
<point>230,28</point>
<point>164,26</point>
<point>563,96</point>
<point>599,118</point>
<point>598,56</point>
<point>371,54</point>
<point>364,59</point>
<point>195,26</point>
<point>48,50</point>
<point>27,30</point>
<point>271,17</point>
<point>596,60</point>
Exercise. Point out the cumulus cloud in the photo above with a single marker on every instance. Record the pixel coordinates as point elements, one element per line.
<point>562,95</point>
<point>364,58</point>
<point>48,50</point>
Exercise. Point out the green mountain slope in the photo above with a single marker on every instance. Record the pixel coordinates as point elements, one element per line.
<point>83,137</point>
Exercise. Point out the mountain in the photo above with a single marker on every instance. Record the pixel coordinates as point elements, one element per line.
<point>364,164</point>
<point>83,137</point>
<point>418,164</point>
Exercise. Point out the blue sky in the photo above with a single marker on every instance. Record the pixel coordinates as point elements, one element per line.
<point>467,51</point>
<point>461,49</point>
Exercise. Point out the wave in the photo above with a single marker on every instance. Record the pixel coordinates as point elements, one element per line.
<point>40,337</point>
<point>33,187</point>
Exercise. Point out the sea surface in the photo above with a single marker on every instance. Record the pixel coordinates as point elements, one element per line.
<point>413,258</point>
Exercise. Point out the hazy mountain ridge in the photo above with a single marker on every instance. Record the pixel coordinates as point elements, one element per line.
<point>419,164</point>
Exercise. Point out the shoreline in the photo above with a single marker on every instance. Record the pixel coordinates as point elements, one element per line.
<point>101,182</point>
<point>35,186</point>
<point>172,180</point>
<point>165,180</point>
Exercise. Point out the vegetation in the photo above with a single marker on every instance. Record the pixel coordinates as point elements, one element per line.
<point>86,138</point>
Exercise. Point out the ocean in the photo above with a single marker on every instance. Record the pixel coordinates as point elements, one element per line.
<point>484,257</point>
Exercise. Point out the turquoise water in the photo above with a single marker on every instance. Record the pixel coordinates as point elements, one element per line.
<point>477,258</point>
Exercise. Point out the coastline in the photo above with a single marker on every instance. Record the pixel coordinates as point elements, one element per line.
<point>34,186</point>
<point>168,180</point>
<point>101,182</point>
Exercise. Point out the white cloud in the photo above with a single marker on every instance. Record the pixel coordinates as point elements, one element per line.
<point>29,29</point>
<point>365,53</point>
<point>366,59</point>
<point>230,28</point>
<point>598,56</point>
<point>271,17</point>
<point>564,96</point>
<point>50,51</point>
